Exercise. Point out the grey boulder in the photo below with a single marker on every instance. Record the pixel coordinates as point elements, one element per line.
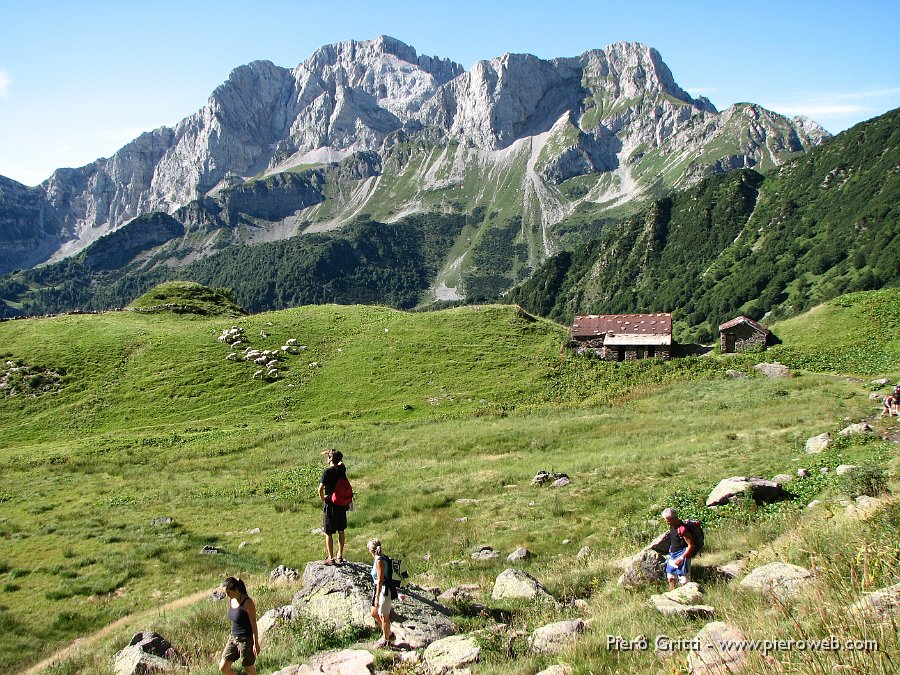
<point>341,596</point>
<point>758,489</point>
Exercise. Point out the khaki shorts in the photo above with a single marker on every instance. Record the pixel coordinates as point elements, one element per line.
<point>239,648</point>
<point>383,603</point>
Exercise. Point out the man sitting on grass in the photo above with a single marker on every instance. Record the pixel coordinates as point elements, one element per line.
<point>681,549</point>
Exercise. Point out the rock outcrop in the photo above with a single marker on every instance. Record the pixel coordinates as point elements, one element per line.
<point>452,652</point>
<point>555,637</point>
<point>643,569</point>
<point>781,580</point>
<point>758,489</point>
<point>720,651</point>
<point>341,596</point>
<point>512,584</point>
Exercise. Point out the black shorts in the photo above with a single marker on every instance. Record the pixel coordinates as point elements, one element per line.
<point>334,518</point>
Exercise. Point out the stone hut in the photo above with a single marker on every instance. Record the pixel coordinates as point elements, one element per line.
<point>743,333</point>
<point>623,337</point>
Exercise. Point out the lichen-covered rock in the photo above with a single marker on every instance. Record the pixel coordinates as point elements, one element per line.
<point>817,444</point>
<point>558,669</point>
<point>686,594</point>
<point>758,489</point>
<point>883,604</point>
<point>555,637</point>
<point>514,584</point>
<point>773,369</point>
<point>145,654</point>
<point>341,596</point>
<point>781,580</point>
<point>343,662</point>
<point>668,607</point>
<point>645,568</point>
<point>452,652</point>
<point>855,429</point>
<point>519,554</point>
<point>721,650</point>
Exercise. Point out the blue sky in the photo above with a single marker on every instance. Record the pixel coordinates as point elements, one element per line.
<point>80,79</point>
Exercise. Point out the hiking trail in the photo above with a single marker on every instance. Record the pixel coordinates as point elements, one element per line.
<point>93,638</point>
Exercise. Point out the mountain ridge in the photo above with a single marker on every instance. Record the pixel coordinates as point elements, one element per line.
<point>616,113</point>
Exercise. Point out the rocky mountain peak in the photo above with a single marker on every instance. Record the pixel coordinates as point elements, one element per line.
<point>352,56</point>
<point>601,111</point>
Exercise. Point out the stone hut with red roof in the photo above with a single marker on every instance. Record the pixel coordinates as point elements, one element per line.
<point>624,337</point>
<point>743,333</point>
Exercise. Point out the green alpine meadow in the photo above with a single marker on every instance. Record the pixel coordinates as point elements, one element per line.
<point>132,441</point>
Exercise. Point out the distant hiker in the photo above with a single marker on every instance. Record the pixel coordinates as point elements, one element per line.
<point>333,490</point>
<point>681,549</point>
<point>384,594</point>
<point>243,643</point>
<point>891,405</point>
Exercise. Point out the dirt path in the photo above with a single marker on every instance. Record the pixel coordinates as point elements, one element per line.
<point>90,640</point>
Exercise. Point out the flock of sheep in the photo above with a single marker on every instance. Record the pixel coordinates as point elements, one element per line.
<point>267,358</point>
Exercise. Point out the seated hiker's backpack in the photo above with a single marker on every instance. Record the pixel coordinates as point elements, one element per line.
<point>342,495</point>
<point>695,527</point>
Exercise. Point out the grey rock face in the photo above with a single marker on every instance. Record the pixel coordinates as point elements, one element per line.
<point>817,444</point>
<point>371,96</point>
<point>773,369</point>
<point>668,607</point>
<point>555,637</point>
<point>712,658</point>
<point>781,580</point>
<point>342,595</point>
<point>145,654</point>
<point>452,652</point>
<point>854,429</point>
<point>646,568</point>
<point>518,585</point>
<point>519,554</point>
<point>882,605</point>
<point>759,489</point>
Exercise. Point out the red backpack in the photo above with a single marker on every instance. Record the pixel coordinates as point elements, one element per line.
<point>342,494</point>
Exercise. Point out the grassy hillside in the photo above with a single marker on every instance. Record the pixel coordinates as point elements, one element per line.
<point>150,420</point>
<point>825,224</point>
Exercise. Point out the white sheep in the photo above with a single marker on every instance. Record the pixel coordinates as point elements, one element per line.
<point>231,357</point>
<point>314,364</point>
<point>263,334</point>
<point>272,363</point>
<point>285,348</point>
<point>235,345</point>
<point>258,374</point>
<point>291,341</point>
<point>260,360</point>
<point>272,373</point>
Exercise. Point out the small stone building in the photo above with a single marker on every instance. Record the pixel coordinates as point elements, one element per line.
<point>624,337</point>
<point>743,333</point>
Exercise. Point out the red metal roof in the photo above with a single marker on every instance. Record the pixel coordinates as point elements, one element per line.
<point>632,324</point>
<point>744,319</point>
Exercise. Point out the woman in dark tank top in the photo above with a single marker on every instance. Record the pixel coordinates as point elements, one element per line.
<point>243,643</point>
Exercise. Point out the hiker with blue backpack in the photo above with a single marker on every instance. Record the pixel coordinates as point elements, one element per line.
<point>337,498</point>
<point>685,541</point>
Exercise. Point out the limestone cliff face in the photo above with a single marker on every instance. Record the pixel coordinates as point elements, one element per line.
<point>613,110</point>
<point>30,231</point>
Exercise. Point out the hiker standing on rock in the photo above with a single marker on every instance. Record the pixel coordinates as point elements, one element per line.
<point>334,489</point>
<point>382,598</point>
<point>243,643</point>
<point>681,549</point>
